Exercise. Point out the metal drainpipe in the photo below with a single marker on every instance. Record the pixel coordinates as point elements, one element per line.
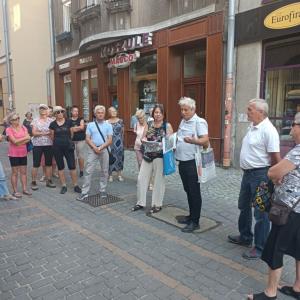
<point>7,54</point>
<point>229,85</point>
<point>52,47</point>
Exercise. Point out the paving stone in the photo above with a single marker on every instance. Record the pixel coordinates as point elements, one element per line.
<point>36,293</point>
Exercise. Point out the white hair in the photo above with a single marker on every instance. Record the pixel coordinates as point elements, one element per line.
<point>297,118</point>
<point>188,102</point>
<point>99,107</point>
<point>260,104</point>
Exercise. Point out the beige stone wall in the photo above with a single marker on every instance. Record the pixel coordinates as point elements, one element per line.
<point>30,49</point>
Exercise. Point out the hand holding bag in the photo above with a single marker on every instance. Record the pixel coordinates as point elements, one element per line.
<point>112,159</point>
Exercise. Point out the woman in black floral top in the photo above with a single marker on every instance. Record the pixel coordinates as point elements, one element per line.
<point>284,239</point>
<point>153,161</point>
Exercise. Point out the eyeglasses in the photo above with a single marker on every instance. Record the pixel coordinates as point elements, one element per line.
<point>294,124</point>
<point>59,112</point>
<point>15,119</point>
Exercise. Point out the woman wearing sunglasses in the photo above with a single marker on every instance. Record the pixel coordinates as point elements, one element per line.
<point>17,151</point>
<point>63,147</point>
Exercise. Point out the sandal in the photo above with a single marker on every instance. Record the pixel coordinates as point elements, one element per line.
<point>261,296</point>
<point>289,291</point>
<point>17,195</point>
<point>155,209</point>
<point>137,207</point>
<point>9,197</point>
<point>27,193</point>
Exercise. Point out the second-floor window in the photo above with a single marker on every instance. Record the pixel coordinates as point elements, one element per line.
<point>66,15</point>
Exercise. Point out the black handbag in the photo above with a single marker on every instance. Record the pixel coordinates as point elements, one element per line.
<point>280,212</point>
<point>112,159</point>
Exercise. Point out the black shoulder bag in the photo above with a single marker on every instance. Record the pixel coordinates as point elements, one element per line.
<point>112,159</point>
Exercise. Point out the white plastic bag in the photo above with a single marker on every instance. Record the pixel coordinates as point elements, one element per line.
<point>205,164</point>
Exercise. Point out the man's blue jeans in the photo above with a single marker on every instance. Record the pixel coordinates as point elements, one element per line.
<point>3,186</point>
<point>251,179</point>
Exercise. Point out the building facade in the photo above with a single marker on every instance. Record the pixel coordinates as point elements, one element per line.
<point>30,56</point>
<point>268,64</point>
<point>134,53</point>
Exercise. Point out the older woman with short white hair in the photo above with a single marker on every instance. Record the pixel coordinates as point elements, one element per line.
<point>192,132</point>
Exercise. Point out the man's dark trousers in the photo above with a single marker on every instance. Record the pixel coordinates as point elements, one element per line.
<point>251,179</point>
<point>189,178</point>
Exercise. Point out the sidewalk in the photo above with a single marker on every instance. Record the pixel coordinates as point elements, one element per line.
<point>53,247</point>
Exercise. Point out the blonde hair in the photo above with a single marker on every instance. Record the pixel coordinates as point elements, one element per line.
<point>140,113</point>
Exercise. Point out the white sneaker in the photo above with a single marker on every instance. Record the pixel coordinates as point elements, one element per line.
<point>120,178</point>
<point>150,187</point>
<point>110,179</point>
<point>43,178</point>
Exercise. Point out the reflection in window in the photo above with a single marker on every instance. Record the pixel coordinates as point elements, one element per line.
<point>68,94</point>
<point>66,16</point>
<point>143,75</point>
<point>94,87</point>
<point>194,62</point>
<point>85,95</point>
<point>282,93</point>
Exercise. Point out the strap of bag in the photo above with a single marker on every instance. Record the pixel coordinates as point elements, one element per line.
<point>296,203</point>
<point>102,136</point>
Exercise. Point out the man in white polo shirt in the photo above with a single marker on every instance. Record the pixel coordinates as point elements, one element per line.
<point>260,150</point>
<point>192,133</point>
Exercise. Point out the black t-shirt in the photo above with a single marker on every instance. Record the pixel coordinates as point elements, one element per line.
<point>62,134</point>
<point>79,135</point>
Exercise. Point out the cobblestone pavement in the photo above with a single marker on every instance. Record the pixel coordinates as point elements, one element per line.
<point>53,247</point>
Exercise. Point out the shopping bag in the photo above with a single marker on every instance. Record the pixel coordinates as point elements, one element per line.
<point>205,164</point>
<point>169,162</point>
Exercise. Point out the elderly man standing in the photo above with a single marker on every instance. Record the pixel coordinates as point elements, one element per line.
<point>99,138</point>
<point>260,150</point>
<point>192,133</point>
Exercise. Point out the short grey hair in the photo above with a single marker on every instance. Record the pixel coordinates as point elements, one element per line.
<point>260,104</point>
<point>297,118</point>
<point>99,107</point>
<point>188,102</point>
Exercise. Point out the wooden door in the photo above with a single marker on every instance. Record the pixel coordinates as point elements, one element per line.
<point>196,91</point>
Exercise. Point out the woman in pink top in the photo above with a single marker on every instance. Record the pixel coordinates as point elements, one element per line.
<point>17,151</point>
<point>139,130</point>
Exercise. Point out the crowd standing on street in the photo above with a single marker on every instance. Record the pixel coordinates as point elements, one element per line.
<point>52,136</point>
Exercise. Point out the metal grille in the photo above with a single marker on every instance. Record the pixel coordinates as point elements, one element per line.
<point>97,200</point>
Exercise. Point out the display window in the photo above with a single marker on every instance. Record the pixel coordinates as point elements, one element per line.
<point>68,103</point>
<point>282,88</point>
<point>143,78</point>
<point>89,92</point>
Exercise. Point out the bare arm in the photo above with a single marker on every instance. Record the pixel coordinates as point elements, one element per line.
<point>275,158</point>
<point>1,137</point>
<point>169,129</point>
<point>201,140</point>
<point>144,133</point>
<point>21,141</point>
<point>36,132</point>
<point>52,134</point>
<point>91,144</point>
<point>80,127</point>
<point>277,172</point>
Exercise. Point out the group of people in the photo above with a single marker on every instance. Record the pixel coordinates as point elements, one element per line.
<point>54,139</point>
<point>259,159</point>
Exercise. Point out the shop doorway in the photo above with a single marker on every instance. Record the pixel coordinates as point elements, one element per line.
<point>196,91</point>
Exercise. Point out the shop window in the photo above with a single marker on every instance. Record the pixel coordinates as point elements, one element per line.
<point>194,62</point>
<point>68,94</point>
<point>113,80</point>
<point>85,95</point>
<point>143,76</point>
<point>89,92</point>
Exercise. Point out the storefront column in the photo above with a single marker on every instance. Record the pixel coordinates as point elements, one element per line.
<point>75,78</point>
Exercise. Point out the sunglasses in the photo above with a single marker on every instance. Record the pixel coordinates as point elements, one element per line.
<point>294,124</point>
<point>59,112</point>
<point>15,119</point>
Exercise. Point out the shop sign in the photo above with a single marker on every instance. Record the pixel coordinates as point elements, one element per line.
<point>135,42</point>
<point>64,66</point>
<point>284,17</point>
<point>85,60</point>
<point>123,60</point>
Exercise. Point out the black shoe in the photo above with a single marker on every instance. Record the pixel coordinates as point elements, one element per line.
<point>137,207</point>
<point>190,227</point>
<point>50,184</point>
<point>77,189</point>
<point>236,239</point>
<point>63,190</point>
<point>34,186</point>
<point>80,173</point>
<point>183,219</point>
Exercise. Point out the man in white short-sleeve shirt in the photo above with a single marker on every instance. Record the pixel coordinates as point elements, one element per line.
<point>192,133</point>
<point>260,150</point>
